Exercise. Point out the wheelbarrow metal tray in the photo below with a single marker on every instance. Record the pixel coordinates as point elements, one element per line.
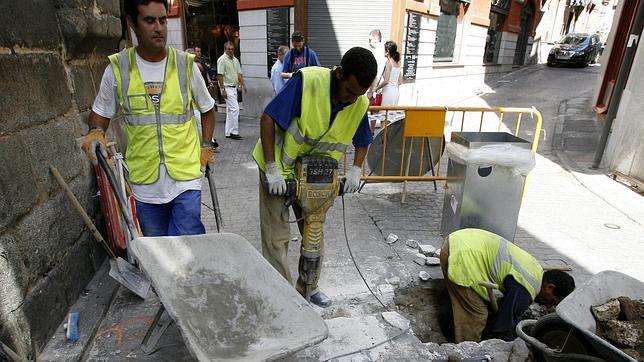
<point>229,303</point>
<point>575,308</point>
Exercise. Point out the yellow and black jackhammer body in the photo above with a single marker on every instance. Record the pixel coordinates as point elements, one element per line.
<point>314,190</point>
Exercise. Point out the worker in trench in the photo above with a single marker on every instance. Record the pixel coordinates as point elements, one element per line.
<point>470,256</point>
<point>317,113</point>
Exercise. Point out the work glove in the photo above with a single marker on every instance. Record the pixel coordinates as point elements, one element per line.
<point>95,137</point>
<point>206,156</point>
<point>352,179</point>
<point>276,183</point>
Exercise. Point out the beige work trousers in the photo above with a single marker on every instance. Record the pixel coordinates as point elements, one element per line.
<point>469,309</point>
<point>276,234</point>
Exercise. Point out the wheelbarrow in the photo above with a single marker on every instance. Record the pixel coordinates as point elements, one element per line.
<point>228,301</point>
<point>570,334</point>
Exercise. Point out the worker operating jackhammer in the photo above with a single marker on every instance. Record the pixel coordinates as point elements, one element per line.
<point>304,131</point>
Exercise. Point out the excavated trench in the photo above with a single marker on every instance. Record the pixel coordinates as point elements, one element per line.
<point>428,308</point>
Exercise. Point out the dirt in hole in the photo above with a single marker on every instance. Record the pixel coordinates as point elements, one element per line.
<point>428,308</point>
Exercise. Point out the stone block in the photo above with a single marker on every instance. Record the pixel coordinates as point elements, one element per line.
<point>28,24</point>
<point>34,90</point>
<point>85,32</point>
<point>17,190</point>
<point>111,7</point>
<point>84,87</point>
<point>433,261</point>
<point>49,300</point>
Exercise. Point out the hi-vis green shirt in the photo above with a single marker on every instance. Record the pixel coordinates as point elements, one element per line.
<point>310,134</point>
<point>478,255</point>
<point>165,133</point>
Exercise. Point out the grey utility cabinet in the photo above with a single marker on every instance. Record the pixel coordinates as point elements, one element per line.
<point>485,184</point>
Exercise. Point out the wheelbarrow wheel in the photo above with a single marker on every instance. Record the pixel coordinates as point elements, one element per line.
<point>560,336</point>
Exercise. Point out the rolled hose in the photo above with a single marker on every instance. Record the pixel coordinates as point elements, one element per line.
<point>543,348</point>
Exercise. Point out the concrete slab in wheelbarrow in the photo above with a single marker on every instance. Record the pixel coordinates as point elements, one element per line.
<point>229,303</point>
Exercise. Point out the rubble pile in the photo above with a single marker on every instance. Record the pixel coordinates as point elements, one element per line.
<point>621,322</point>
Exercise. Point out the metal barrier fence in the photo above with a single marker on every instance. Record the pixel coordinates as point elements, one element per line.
<point>410,143</point>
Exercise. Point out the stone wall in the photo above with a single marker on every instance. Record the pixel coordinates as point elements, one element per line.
<point>52,57</point>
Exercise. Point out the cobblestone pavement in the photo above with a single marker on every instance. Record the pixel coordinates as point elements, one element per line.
<point>570,214</point>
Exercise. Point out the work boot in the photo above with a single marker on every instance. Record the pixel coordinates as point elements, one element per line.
<point>321,300</point>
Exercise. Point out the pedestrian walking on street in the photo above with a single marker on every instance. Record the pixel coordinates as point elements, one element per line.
<point>276,70</point>
<point>470,256</point>
<point>299,56</point>
<point>165,158</point>
<point>318,112</point>
<point>229,78</point>
<point>391,76</point>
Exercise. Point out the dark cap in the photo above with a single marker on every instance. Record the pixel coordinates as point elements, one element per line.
<point>297,35</point>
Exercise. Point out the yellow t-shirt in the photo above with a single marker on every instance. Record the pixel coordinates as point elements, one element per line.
<point>229,69</point>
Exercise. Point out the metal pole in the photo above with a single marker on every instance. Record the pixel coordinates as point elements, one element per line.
<point>622,78</point>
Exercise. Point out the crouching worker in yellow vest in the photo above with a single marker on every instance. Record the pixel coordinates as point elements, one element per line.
<point>470,256</point>
<point>317,113</point>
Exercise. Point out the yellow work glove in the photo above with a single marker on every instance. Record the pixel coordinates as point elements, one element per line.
<point>206,156</point>
<point>96,136</point>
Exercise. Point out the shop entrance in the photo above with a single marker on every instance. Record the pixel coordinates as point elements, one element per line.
<point>209,24</point>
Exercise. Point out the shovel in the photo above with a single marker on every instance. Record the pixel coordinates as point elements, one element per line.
<point>123,272</point>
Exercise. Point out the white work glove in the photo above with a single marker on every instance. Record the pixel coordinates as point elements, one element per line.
<point>352,179</point>
<point>276,183</point>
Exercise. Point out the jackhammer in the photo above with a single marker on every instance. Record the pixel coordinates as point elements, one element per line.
<point>314,190</point>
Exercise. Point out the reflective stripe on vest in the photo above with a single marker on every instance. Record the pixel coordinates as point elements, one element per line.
<point>503,255</point>
<point>162,133</point>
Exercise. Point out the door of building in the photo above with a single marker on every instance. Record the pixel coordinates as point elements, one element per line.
<point>335,26</point>
<point>527,14</point>
<point>209,24</point>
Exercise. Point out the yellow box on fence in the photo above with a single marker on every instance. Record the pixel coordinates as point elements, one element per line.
<point>425,123</point>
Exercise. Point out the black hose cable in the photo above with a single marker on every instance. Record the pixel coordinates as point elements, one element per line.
<point>346,238</point>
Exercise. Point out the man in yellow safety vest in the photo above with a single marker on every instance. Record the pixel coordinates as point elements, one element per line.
<point>470,256</point>
<point>318,112</point>
<point>156,88</point>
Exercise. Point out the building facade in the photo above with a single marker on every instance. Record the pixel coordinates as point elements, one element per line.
<point>624,152</point>
<point>448,47</point>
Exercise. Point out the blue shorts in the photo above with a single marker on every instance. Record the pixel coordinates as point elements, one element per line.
<point>181,216</point>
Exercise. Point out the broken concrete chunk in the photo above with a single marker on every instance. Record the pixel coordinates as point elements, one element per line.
<point>622,333</point>
<point>387,293</point>
<point>607,311</point>
<point>411,243</point>
<point>433,261</point>
<point>437,252</point>
<point>424,276</point>
<point>393,280</point>
<point>427,249</point>
<point>632,310</point>
<point>420,259</point>
<point>396,320</point>
<point>392,238</point>
<point>294,238</point>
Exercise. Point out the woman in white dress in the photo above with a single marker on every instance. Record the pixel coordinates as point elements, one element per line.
<point>392,75</point>
<point>389,81</point>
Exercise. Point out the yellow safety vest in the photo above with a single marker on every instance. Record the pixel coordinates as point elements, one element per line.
<point>165,134</point>
<point>310,135</point>
<point>478,255</point>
